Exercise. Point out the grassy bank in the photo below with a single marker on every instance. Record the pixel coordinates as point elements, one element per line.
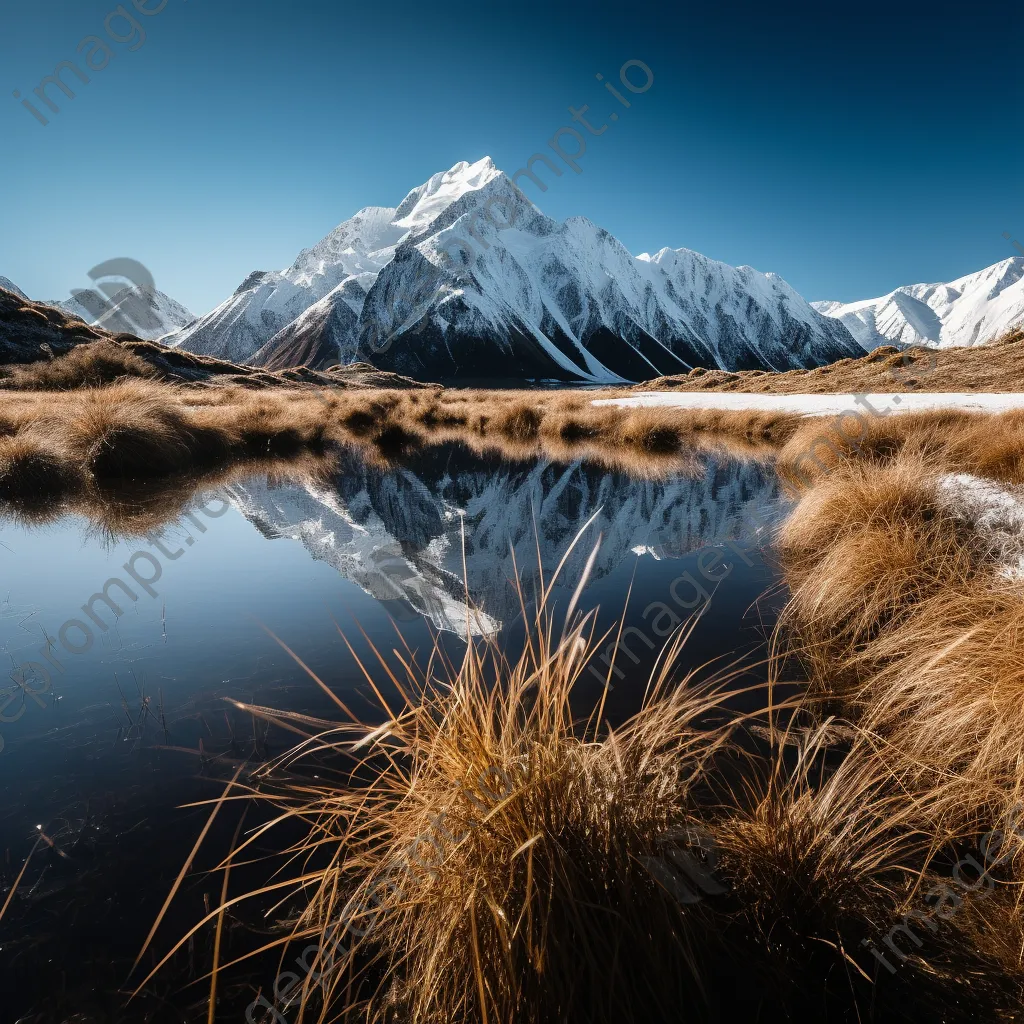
<point>994,366</point>
<point>58,447</point>
<point>55,445</point>
<point>909,613</point>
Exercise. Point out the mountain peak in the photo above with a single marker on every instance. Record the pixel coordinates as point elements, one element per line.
<point>7,284</point>
<point>147,313</point>
<point>427,202</point>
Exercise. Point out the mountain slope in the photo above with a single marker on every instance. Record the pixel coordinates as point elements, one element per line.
<point>266,302</point>
<point>312,338</point>
<point>970,311</point>
<point>8,285</point>
<point>38,341</point>
<point>145,314</point>
<point>467,278</point>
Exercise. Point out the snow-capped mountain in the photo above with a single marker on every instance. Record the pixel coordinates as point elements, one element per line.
<point>467,278</point>
<point>8,285</point>
<point>973,310</point>
<point>148,314</point>
<point>398,534</point>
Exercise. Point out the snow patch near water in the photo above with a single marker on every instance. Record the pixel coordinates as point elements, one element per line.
<point>821,405</point>
<point>995,511</point>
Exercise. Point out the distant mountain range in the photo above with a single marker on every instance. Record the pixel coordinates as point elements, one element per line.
<point>146,314</point>
<point>36,333</point>
<point>467,278</point>
<point>970,311</point>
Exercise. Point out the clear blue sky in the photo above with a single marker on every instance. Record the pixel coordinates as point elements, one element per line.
<point>848,147</point>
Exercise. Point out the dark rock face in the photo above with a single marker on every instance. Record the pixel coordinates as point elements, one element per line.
<point>312,339</point>
<point>30,331</point>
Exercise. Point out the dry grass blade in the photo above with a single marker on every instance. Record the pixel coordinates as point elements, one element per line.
<point>184,869</point>
<point>212,1010</point>
<point>17,881</point>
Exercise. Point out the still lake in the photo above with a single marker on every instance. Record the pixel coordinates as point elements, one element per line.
<point>117,715</point>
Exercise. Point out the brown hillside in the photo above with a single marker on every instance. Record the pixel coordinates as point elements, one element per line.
<point>998,366</point>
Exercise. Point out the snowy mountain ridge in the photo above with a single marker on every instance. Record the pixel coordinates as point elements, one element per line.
<point>10,286</point>
<point>148,314</point>
<point>144,312</point>
<point>972,310</point>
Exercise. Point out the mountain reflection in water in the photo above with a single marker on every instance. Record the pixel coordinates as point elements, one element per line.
<point>399,534</point>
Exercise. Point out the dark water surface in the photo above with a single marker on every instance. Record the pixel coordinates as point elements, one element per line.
<point>119,708</point>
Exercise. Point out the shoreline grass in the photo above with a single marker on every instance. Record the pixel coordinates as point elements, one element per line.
<point>55,446</point>
<point>902,612</point>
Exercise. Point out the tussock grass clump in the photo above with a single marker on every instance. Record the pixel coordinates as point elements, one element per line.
<point>945,687</point>
<point>863,548</point>
<point>900,609</point>
<point>579,426</point>
<point>762,430</point>
<point>647,430</point>
<point>139,428</point>
<point>990,448</point>
<point>271,424</point>
<point>828,858</point>
<point>819,447</point>
<point>367,421</point>
<point>127,431</point>
<point>521,422</point>
<point>562,426</point>
<point>34,472</point>
<point>485,852</point>
<point>491,867</point>
<point>85,366</point>
<point>944,440</point>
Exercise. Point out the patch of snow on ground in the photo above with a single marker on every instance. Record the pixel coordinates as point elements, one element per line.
<point>822,405</point>
<point>996,512</point>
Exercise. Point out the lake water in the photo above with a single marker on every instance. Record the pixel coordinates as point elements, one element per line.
<point>114,704</point>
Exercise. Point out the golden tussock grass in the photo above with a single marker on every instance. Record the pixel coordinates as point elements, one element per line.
<point>93,365</point>
<point>863,547</point>
<point>487,848</point>
<point>901,612</point>
<point>483,843</point>
<point>138,429</point>
<point>566,427</point>
<point>142,430</point>
<point>945,440</point>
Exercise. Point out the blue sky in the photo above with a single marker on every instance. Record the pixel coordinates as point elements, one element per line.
<point>848,147</point>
